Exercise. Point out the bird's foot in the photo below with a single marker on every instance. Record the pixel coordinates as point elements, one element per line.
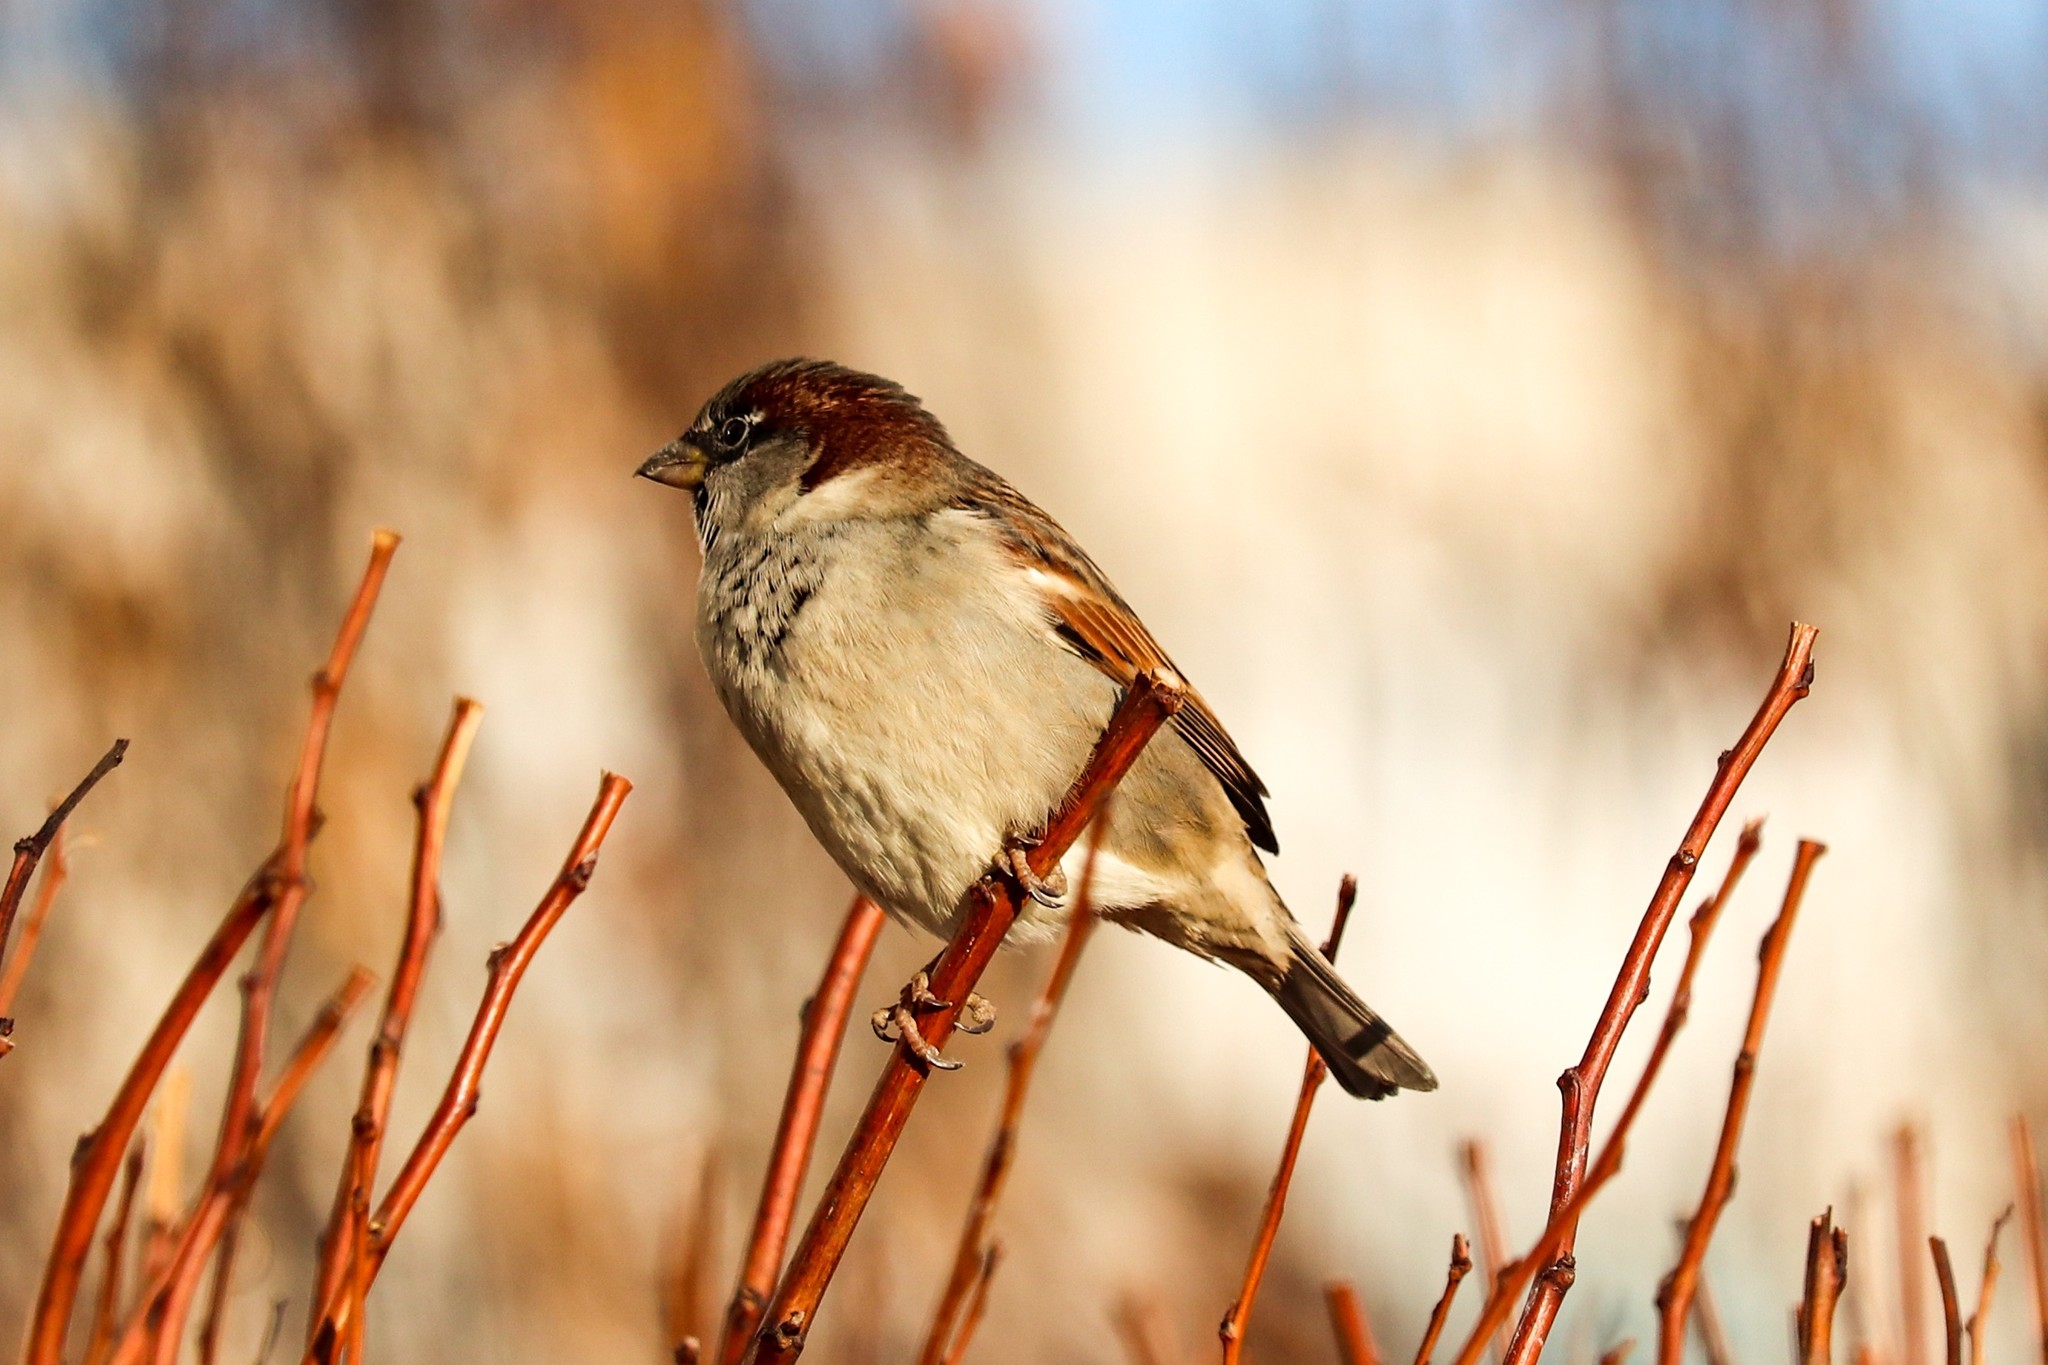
<point>1049,890</point>
<point>899,1020</point>
<point>977,1016</point>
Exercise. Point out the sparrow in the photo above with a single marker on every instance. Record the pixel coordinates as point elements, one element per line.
<point>924,660</point>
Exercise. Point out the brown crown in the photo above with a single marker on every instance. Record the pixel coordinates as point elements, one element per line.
<point>852,420</point>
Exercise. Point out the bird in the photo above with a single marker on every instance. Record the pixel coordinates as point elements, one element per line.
<point>924,659</point>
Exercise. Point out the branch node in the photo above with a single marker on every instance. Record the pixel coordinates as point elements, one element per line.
<point>788,1334</point>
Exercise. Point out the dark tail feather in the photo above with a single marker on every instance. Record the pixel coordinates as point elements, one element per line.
<point>1365,1055</point>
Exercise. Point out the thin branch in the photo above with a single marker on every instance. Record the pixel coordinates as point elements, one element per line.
<point>1507,1283</point>
<point>31,934</point>
<point>463,1093</point>
<point>947,1335</point>
<point>977,1304</point>
<point>167,1296</point>
<point>508,964</point>
<point>2028,1171</point>
<point>1980,1318</point>
<point>796,1132</point>
<point>992,906</point>
<point>356,1321</point>
<point>1579,1086</point>
<point>1461,1266</point>
<point>1477,1170</point>
<point>434,803</point>
<point>239,1113</point>
<point>1827,1271</point>
<point>306,1057</point>
<point>1618,1353</point>
<point>1912,1225</point>
<point>215,1321</point>
<point>108,1305</point>
<point>1348,1323</point>
<point>29,850</point>
<point>281,879</point>
<point>1674,1297</point>
<point>1706,1320</point>
<point>163,1190</point>
<point>685,1299</point>
<point>1951,1312</point>
<point>1232,1329</point>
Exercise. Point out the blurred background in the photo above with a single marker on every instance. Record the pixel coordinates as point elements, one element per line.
<point>1468,393</point>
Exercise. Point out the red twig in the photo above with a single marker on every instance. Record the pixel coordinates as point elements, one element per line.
<point>2028,1172</point>
<point>281,879</point>
<point>168,1295</point>
<point>311,1051</point>
<point>977,1304</point>
<point>508,965</point>
<point>164,1180</point>
<point>1511,1279</point>
<point>1579,1086</point>
<point>1706,1320</point>
<point>1461,1266</point>
<point>224,1259</point>
<point>685,1301</point>
<point>1980,1317</point>
<point>1618,1353</point>
<point>107,1306</point>
<point>356,1320</point>
<point>1951,1312</point>
<point>239,1116</point>
<point>464,1090</point>
<point>434,802</point>
<point>1912,1224</point>
<point>992,908</point>
<point>1827,1271</point>
<point>1674,1297</point>
<point>29,850</point>
<point>947,1335</point>
<point>1355,1344</point>
<point>31,934</point>
<point>1477,1170</point>
<point>796,1133</point>
<point>1231,1329</point>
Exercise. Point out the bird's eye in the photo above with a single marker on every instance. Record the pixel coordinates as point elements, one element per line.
<point>732,432</point>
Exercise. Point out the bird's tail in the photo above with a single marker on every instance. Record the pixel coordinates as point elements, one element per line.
<point>1365,1055</point>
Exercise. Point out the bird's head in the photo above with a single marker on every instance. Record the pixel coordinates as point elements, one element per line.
<point>806,439</point>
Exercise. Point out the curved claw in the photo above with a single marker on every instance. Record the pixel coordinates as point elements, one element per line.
<point>977,1016</point>
<point>1049,890</point>
<point>883,1022</point>
<point>913,1039</point>
<point>898,1022</point>
<point>917,994</point>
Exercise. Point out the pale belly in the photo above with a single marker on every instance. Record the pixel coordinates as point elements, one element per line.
<point>919,717</point>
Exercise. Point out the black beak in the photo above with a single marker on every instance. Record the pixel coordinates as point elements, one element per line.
<point>677,464</point>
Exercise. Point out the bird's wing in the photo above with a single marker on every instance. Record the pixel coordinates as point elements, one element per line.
<point>1097,624</point>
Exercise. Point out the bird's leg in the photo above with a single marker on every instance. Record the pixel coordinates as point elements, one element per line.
<point>977,1015</point>
<point>900,1020</point>
<point>1049,890</point>
<point>905,1023</point>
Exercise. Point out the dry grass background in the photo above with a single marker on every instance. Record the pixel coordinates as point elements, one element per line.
<point>1472,469</point>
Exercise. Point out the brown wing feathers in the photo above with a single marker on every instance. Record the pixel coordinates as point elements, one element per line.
<point>1100,627</point>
